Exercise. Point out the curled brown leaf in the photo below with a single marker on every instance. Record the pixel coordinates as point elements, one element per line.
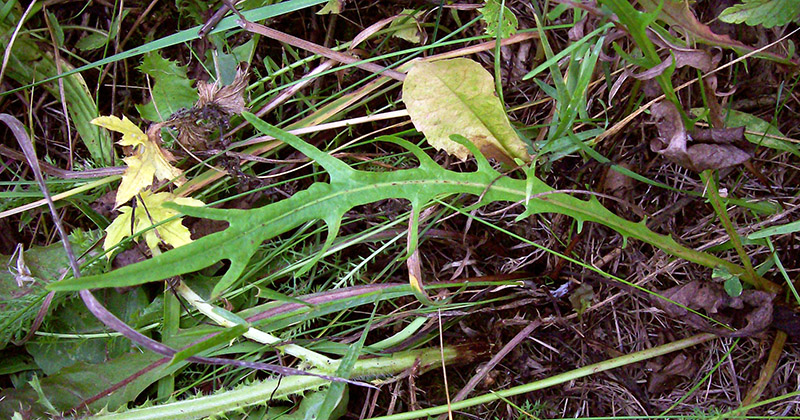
<point>680,57</point>
<point>216,103</point>
<point>680,366</point>
<point>675,143</point>
<point>753,306</point>
<point>229,99</point>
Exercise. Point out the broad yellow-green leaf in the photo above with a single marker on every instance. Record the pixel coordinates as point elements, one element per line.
<point>149,212</point>
<point>406,26</point>
<point>457,97</point>
<point>148,160</point>
<point>331,7</point>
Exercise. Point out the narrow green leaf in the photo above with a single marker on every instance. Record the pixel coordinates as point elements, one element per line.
<point>91,42</point>
<point>566,51</point>
<point>58,31</point>
<point>776,230</point>
<point>230,316</point>
<point>226,336</point>
<point>337,391</point>
<point>757,125</point>
<point>570,108</point>
<point>267,293</point>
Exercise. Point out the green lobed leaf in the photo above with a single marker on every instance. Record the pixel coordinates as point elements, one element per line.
<point>457,96</point>
<point>171,88</point>
<point>768,13</point>
<point>348,188</point>
<point>500,20</point>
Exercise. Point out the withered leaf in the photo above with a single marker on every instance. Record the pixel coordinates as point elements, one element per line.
<point>581,298</point>
<point>680,57</point>
<point>787,319</point>
<point>617,183</point>
<point>674,143</point>
<point>719,135</point>
<point>753,306</point>
<point>215,104</point>
<point>228,99</point>
<point>148,159</point>
<point>681,366</point>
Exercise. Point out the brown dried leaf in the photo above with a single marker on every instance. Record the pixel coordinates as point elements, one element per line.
<point>678,13</point>
<point>681,366</point>
<point>673,143</point>
<point>720,135</point>
<point>716,156</point>
<point>229,99</point>
<point>581,298</point>
<point>787,319</point>
<point>754,306</point>
<point>698,295</point>
<point>695,58</point>
<point>616,183</point>
<point>213,107</point>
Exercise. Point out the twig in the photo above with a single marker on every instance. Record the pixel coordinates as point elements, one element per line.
<point>318,49</point>
<point>511,345</point>
<point>63,173</point>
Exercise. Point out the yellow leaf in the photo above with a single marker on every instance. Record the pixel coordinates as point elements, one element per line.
<point>136,178</point>
<point>150,211</point>
<point>119,229</point>
<point>141,169</point>
<point>147,161</point>
<point>131,134</point>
